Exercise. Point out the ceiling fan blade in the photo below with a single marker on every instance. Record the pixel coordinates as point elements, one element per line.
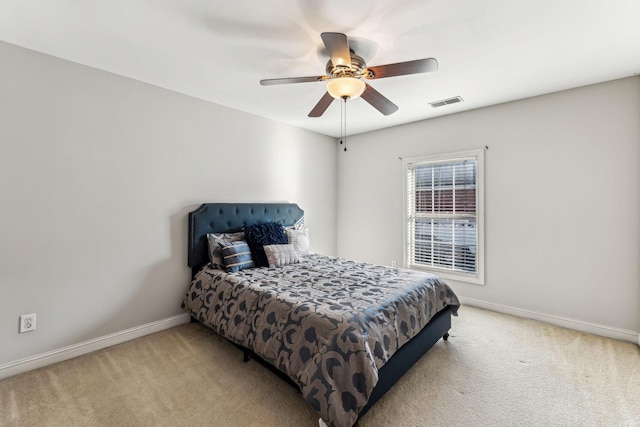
<point>378,101</point>
<point>401,68</point>
<point>338,47</point>
<point>287,80</point>
<point>322,105</point>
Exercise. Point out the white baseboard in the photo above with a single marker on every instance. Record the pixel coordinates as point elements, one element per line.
<point>75,350</point>
<point>579,325</point>
<point>33,362</point>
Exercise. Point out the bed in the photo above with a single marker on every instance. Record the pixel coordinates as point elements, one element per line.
<point>342,332</point>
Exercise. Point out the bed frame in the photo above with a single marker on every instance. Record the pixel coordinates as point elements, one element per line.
<point>232,217</point>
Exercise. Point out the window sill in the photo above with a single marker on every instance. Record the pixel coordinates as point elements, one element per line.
<point>475,279</point>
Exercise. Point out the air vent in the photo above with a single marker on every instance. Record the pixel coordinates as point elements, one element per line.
<point>444,102</point>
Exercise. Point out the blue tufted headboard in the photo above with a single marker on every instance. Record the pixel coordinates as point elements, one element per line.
<point>232,217</point>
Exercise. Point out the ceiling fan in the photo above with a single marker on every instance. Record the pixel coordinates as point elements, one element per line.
<point>345,71</point>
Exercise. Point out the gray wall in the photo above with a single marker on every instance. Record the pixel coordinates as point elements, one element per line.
<point>97,174</point>
<point>562,200</point>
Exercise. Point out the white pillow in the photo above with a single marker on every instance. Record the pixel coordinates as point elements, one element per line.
<point>279,255</point>
<point>300,240</point>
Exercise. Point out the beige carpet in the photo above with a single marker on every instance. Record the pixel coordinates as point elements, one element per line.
<point>495,370</point>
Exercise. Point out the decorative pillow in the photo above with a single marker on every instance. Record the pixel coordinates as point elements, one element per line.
<point>268,233</point>
<point>215,252</point>
<point>299,239</point>
<point>236,255</point>
<point>299,225</point>
<point>279,255</point>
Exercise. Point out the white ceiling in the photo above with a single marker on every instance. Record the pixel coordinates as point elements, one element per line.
<point>489,51</point>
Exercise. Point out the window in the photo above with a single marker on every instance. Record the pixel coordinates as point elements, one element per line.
<point>444,207</point>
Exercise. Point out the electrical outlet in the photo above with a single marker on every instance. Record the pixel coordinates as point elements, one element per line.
<point>27,322</point>
<point>393,264</point>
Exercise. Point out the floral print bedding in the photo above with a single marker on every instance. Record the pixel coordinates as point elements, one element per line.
<point>327,323</point>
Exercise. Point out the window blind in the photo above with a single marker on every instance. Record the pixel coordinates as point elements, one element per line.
<point>442,214</point>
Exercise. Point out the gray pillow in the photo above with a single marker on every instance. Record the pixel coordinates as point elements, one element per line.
<point>279,255</point>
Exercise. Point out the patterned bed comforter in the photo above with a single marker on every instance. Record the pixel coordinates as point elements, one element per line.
<point>328,323</point>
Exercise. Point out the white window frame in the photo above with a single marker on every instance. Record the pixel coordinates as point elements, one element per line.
<point>478,156</point>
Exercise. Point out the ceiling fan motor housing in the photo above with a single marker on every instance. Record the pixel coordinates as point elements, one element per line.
<point>354,70</point>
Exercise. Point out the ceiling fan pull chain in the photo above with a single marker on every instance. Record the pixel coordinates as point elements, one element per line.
<point>345,122</point>
<point>341,123</point>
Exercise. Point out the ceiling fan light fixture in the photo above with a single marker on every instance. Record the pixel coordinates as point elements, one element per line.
<point>349,87</point>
